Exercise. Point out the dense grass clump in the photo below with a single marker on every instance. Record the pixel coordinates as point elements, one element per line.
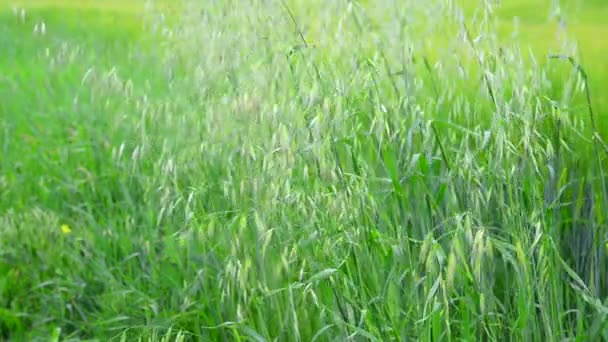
<point>298,170</point>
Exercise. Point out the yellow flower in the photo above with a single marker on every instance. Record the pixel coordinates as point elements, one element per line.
<point>65,229</point>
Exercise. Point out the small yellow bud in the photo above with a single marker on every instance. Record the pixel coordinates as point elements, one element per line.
<point>65,229</point>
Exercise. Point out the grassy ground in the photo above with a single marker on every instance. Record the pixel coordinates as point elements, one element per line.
<point>306,170</point>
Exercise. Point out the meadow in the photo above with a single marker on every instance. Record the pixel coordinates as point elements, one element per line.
<point>303,170</point>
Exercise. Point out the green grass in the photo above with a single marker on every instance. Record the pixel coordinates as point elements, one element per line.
<point>306,170</point>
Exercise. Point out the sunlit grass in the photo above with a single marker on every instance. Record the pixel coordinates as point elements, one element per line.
<point>301,170</point>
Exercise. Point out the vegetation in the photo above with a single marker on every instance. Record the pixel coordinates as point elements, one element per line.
<point>303,170</point>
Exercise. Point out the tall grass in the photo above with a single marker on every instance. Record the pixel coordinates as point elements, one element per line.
<point>308,171</point>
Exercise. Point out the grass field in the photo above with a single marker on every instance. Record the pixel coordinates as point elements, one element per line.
<point>303,170</point>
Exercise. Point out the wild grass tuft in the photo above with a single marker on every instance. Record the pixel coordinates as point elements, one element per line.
<point>303,171</point>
